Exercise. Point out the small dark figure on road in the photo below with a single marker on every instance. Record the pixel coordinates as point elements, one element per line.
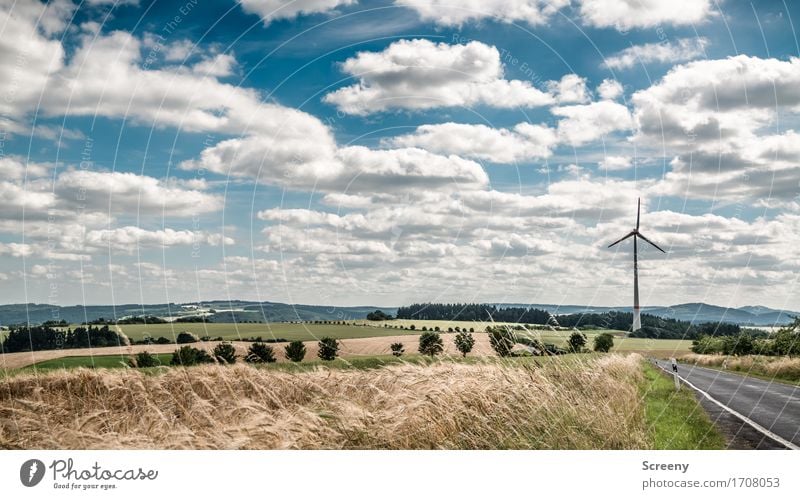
<point>674,365</point>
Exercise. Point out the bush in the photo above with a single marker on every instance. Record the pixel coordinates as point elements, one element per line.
<point>295,351</point>
<point>412,327</point>
<point>576,341</point>
<point>430,344</point>
<point>144,359</point>
<point>328,348</point>
<point>190,356</point>
<point>225,353</point>
<point>397,349</point>
<point>502,340</point>
<point>186,337</point>
<point>162,341</point>
<point>464,342</point>
<point>260,353</point>
<point>603,342</point>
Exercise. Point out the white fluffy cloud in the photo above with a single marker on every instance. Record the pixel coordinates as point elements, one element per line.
<point>609,89</point>
<point>354,169</point>
<point>457,12</point>
<point>683,49</point>
<point>615,163</point>
<point>523,142</point>
<point>585,123</point>
<point>419,74</point>
<point>628,14</point>
<point>130,238</point>
<point>270,10</point>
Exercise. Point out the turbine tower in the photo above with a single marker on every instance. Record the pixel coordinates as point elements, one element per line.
<point>637,316</point>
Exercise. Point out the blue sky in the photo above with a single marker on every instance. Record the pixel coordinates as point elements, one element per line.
<point>343,152</point>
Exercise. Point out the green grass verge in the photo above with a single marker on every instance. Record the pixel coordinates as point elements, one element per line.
<point>676,420</point>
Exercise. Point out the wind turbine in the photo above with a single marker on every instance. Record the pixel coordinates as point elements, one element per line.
<point>637,316</point>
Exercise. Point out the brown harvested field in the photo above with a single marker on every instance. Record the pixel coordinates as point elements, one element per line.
<point>591,403</point>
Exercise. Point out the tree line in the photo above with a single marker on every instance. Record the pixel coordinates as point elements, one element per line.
<point>32,338</point>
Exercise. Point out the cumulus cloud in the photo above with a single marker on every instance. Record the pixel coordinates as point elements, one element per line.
<point>683,49</point>
<point>353,169</point>
<point>609,89</point>
<point>130,238</point>
<point>270,10</point>
<point>585,123</point>
<point>570,89</point>
<point>457,12</point>
<point>615,163</point>
<point>629,14</point>
<point>420,74</point>
<point>523,142</point>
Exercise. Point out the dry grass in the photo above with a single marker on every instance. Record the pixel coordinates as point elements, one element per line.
<point>787,368</point>
<point>578,405</point>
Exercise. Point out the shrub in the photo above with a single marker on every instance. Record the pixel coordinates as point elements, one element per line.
<point>144,359</point>
<point>436,329</point>
<point>186,337</point>
<point>260,353</point>
<point>576,341</point>
<point>464,342</point>
<point>502,340</point>
<point>412,327</point>
<point>603,342</point>
<point>472,330</point>
<point>162,341</point>
<point>328,348</point>
<point>397,349</point>
<point>430,344</point>
<point>225,353</point>
<point>189,356</point>
<point>295,351</point>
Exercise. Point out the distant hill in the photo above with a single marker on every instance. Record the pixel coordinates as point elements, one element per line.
<point>247,311</point>
<point>691,312</point>
<point>213,311</point>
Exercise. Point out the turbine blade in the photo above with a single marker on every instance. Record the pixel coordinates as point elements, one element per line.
<point>624,238</point>
<point>638,212</point>
<point>651,242</point>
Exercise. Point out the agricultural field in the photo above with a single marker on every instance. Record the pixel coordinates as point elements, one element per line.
<point>523,404</point>
<point>273,330</point>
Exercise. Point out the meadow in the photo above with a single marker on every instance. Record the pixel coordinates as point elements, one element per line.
<point>571,402</point>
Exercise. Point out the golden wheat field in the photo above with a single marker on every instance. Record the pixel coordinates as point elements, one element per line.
<point>588,404</point>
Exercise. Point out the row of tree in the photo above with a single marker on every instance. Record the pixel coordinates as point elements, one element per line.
<point>784,342</point>
<point>24,338</point>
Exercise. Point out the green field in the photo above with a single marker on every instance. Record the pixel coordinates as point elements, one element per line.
<point>232,331</point>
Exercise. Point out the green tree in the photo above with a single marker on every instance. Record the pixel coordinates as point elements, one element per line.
<point>189,356</point>
<point>430,344</point>
<point>328,348</point>
<point>603,342</point>
<point>464,342</point>
<point>295,351</point>
<point>576,341</point>
<point>397,349</point>
<point>186,337</point>
<point>144,359</point>
<point>225,353</point>
<point>502,340</point>
<point>260,353</point>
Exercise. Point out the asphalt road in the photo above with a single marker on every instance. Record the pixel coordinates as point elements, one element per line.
<point>771,404</point>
